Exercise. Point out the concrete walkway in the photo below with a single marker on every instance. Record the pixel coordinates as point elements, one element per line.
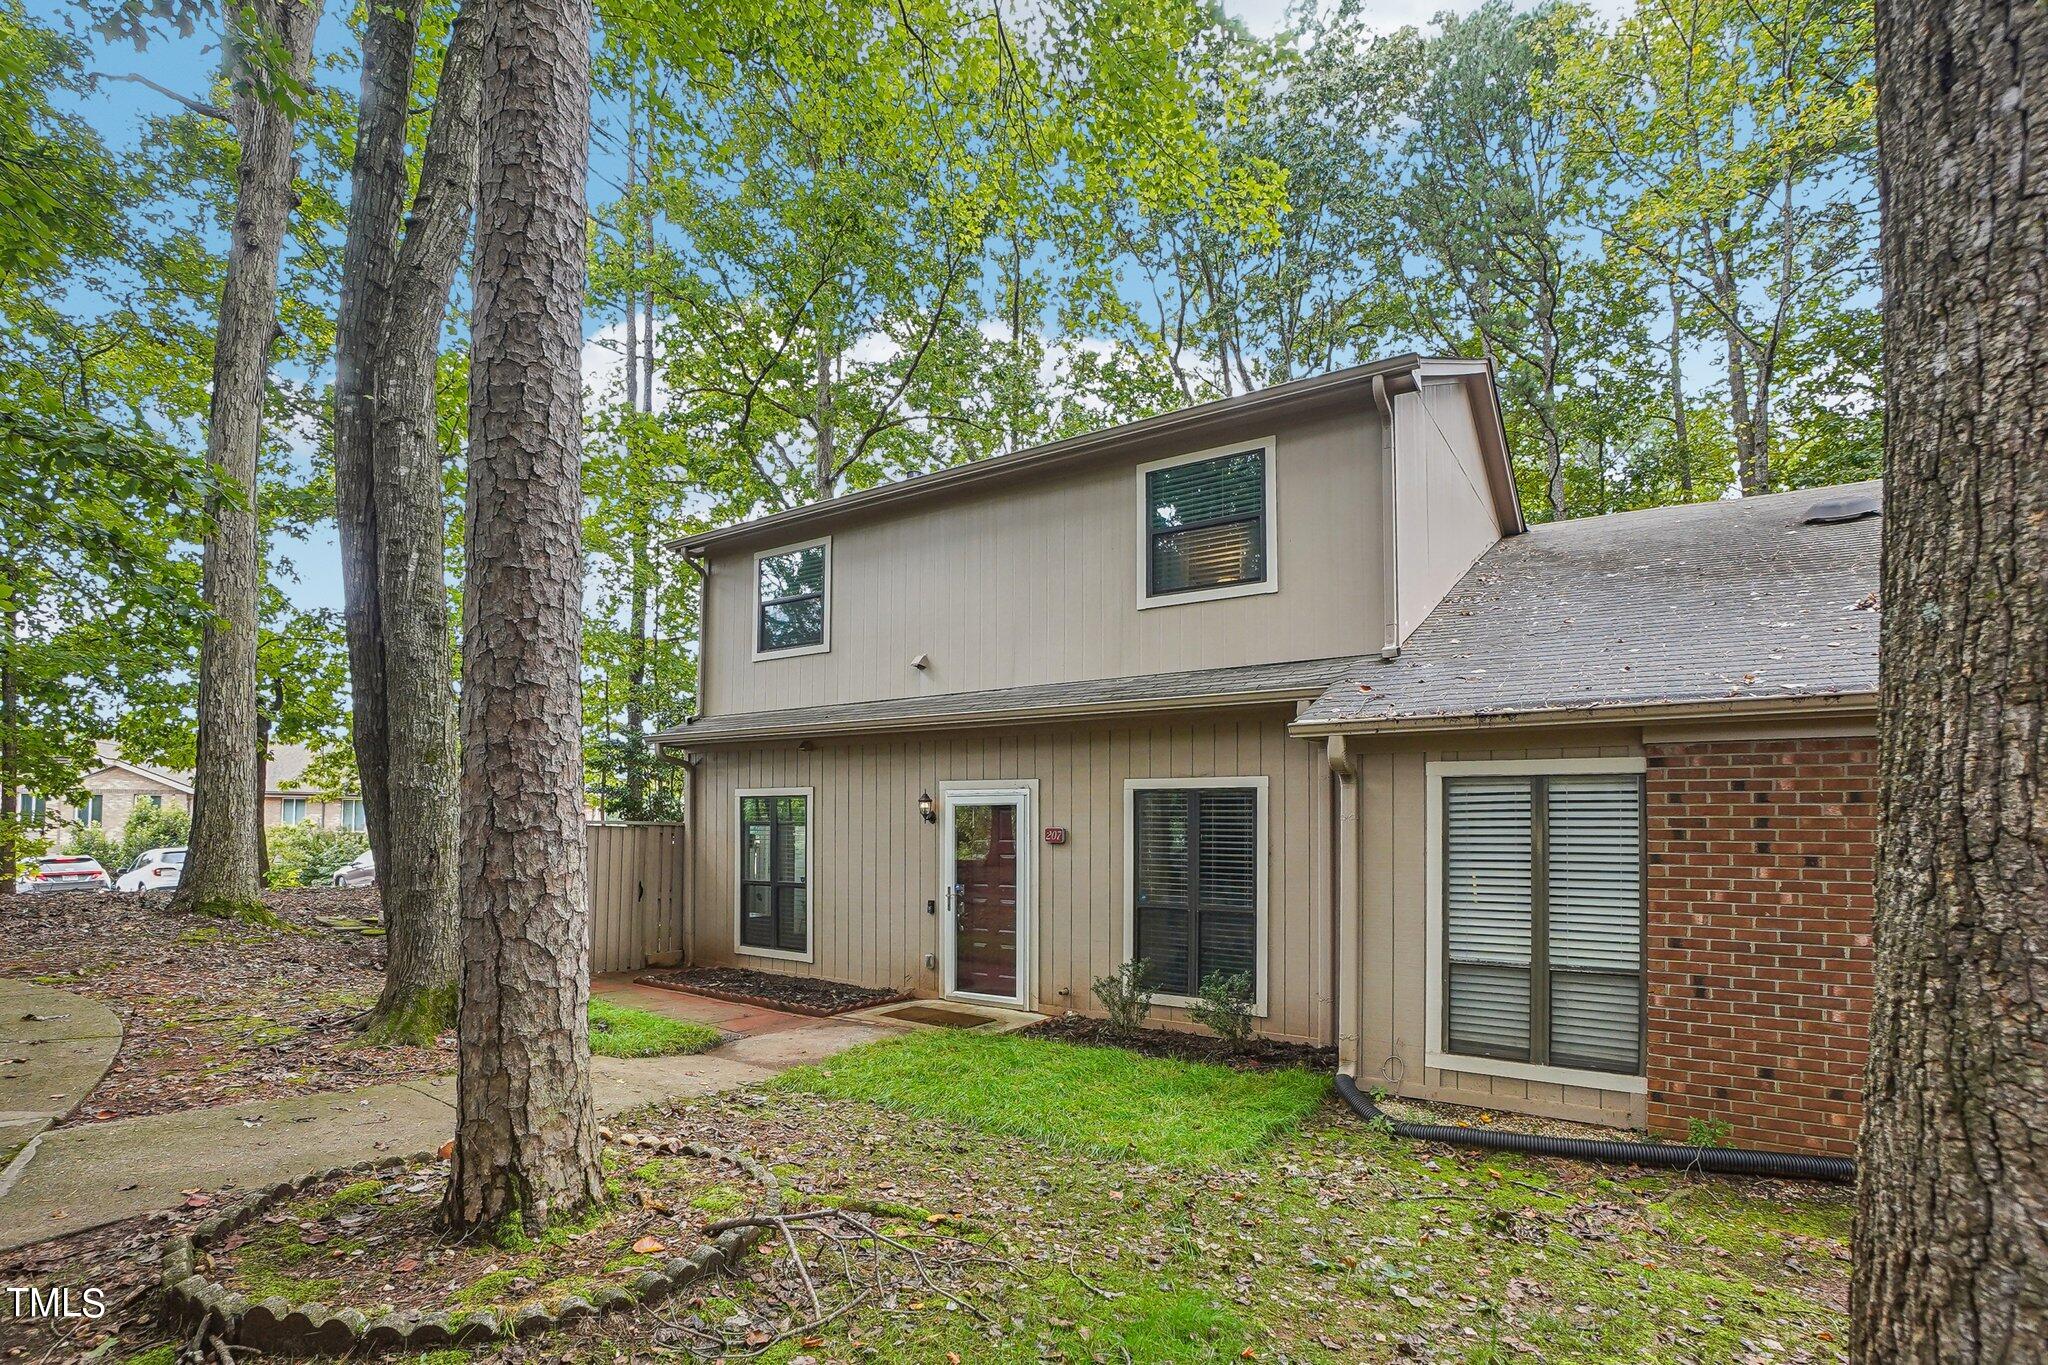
<point>100,1173</point>
<point>54,1047</point>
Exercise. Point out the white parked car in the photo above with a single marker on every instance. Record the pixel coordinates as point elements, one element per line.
<point>62,872</point>
<point>156,870</point>
<point>358,871</point>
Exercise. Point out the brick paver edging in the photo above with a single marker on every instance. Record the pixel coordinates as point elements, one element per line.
<point>277,1327</point>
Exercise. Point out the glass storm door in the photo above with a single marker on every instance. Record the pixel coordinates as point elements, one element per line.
<point>982,895</point>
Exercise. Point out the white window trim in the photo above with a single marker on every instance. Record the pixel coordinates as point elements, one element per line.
<point>1435,1056</point>
<point>824,644</point>
<point>739,887</point>
<point>1271,582</point>
<point>1023,790</point>
<point>1134,785</point>
<point>284,810</point>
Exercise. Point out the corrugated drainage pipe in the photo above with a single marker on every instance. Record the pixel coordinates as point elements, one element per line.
<point>1676,1156</point>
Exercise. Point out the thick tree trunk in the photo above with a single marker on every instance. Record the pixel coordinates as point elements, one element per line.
<point>526,1137</point>
<point>376,205</point>
<point>1951,1247</point>
<point>220,870</point>
<point>10,780</point>
<point>418,872</point>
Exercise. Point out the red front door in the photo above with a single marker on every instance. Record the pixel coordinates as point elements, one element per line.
<point>984,896</point>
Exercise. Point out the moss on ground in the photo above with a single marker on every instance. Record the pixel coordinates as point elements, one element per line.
<point>415,1021</point>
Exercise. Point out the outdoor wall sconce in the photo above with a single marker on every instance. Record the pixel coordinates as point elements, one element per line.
<point>924,808</point>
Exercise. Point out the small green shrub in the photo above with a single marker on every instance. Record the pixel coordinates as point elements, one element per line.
<point>1225,1007</point>
<point>1701,1132</point>
<point>1124,997</point>
<point>307,855</point>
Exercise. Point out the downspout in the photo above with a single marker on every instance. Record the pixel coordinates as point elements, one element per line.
<point>1390,529</point>
<point>1668,1155</point>
<point>1346,989</point>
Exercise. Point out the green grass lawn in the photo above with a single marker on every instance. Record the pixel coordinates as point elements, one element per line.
<point>1100,1100</point>
<point>620,1031</point>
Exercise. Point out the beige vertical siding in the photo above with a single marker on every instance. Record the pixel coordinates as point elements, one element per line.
<point>1037,581</point>
<point>875,863</point>
<point>1446,518</point>
<point>636,895</point>
<point>1393,930</point>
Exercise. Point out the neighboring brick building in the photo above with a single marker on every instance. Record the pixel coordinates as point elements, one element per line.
<point>118,786</point>
<point>1760,896</point>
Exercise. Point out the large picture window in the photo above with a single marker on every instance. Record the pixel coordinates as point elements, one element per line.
<point>1197,883</point>
<point>792,614</point>
<point>1207,525</point>
<point>775,873</point>
<point>1542,917</point>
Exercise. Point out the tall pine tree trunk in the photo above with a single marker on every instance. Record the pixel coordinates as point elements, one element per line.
<point>376,206</point>
<point>418,877</point>
<point>220,875</point>
<point>526,1136</point>
<point>1951,1249</point>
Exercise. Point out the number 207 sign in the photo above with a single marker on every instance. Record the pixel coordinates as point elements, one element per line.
<point>1055,835</point>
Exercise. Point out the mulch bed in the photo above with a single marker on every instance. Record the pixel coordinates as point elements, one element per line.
<point>770,990</point>
<point>1258,1054</point>
<point>213,1011</point>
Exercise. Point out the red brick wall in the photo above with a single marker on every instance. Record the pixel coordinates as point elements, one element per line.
<point>1762,857</point>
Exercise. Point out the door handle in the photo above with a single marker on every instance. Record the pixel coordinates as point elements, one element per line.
<point>959,899</point>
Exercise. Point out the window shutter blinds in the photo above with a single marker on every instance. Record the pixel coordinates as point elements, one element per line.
<point>1161,877</point>
<point>1488,915</point>
<point>1207,522</point>
<point>1594,842</point>
<point>1228,854</point>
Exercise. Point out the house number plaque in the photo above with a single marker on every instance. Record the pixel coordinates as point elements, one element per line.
<point>1055,835</point>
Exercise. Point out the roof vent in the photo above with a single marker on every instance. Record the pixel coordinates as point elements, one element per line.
<point>1852,507</point>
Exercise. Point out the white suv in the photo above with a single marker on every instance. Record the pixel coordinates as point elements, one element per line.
<point>156,870</point>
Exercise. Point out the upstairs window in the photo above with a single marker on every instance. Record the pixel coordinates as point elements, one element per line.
<point>1543,919</point>
<point>1197,882</point>
<point>792,615</point>
<point>1207,521</point>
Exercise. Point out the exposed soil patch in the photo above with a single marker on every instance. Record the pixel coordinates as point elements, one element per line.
<point>771,990</point>
<point>217,1011</point>
<point>1258,1054</point>
<point>377,1244</point>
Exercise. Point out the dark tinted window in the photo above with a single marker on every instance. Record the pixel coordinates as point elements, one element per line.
<point>792,599</point>
<point>1206,522</point>
<point>1195,873</point>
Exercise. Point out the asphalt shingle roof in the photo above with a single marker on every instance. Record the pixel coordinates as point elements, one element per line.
<point>1731,601</point>
<point>1278,681</point>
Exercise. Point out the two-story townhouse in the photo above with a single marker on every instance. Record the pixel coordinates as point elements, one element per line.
<point>1572,821</point>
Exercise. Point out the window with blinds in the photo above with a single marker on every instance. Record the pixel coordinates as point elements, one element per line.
<point>792,599</point>
<point>1543,919</point>
<point>1206,523</point>
<point>1195,883</point>
<point>774,873</point>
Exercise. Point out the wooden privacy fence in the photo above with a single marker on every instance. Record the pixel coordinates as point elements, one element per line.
<point>636,895</point>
